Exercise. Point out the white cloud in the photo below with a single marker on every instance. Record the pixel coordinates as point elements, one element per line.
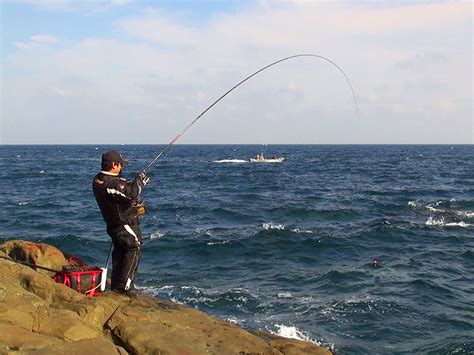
<point>120,2</point>
<point>157,27</point>
<point>43,38</point>
<point>284,23</point>
<point>25,45</point>
<point>63,92</point>
<point>36,41</point>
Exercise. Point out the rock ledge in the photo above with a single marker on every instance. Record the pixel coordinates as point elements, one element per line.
<point>41,316</point>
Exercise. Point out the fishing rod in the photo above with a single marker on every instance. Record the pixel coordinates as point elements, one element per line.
<point>165,149</point>
<point>29,264</point>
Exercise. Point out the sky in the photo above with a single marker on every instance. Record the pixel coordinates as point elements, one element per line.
<point>138,72</point>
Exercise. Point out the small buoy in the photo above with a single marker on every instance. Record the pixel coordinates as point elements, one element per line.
<point>375,262</point>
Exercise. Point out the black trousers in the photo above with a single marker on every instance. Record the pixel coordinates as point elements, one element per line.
<point>125,255</point>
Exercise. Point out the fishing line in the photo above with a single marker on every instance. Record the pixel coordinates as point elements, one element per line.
<point>165,149</point>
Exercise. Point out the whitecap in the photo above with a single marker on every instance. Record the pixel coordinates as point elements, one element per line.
<point>234,320</point>
<point>284,295</point>
<point>458,224</point>
<point>175,300</point>
<point>42,172</point>
<point>432,208</point>
<point>231,161</point>
<point>157,235</point>
<point>413,204</point>
<point>218,242</point>
<point>301,231</point>
<point>435,221</point>
<point>292,332</point>
<point>468,214</point>
<point>268,226</point>
<point>441,222</point>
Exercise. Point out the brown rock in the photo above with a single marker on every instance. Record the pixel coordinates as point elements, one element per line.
<point>35,253</point>
<point>41,316</point>
<point>14,338</point>
<point>65,324</point>
<point>291,346</point>
<point>146,328</point>
<point>96,346</point>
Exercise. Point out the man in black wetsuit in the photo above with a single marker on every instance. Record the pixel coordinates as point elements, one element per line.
<point>119,202</point>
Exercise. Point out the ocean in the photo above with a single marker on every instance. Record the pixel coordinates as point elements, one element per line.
<point>361,248</point>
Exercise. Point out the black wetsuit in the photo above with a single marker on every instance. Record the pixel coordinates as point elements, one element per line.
<point>115,197</point>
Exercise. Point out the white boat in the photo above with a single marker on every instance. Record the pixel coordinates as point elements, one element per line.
<point>261,159</point>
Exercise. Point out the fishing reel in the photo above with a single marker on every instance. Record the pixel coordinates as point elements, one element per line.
<point>136,209</point>
<point>139,206</point>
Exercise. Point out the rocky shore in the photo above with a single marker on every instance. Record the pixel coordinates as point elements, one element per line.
<point>38,315</point>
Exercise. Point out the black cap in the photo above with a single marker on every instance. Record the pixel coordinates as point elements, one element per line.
<point>113,157</point>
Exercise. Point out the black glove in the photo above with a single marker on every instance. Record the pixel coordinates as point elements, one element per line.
<point>143,179</point>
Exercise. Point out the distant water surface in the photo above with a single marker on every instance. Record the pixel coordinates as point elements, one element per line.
<point>364,249</point>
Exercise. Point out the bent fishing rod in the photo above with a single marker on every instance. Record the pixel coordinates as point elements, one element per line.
<point>165,149</point>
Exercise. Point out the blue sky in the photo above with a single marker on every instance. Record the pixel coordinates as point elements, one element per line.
<point>127,71</point>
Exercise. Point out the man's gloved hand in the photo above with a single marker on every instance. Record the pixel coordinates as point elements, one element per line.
<point>143,178</point>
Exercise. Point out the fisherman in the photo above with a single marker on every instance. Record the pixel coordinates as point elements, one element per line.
<point>120,204</point>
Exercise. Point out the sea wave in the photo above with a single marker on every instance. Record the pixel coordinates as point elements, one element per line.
<point>301,231</point>
<point>236,298</point>
<point>218,242</point>
<point>440,221</point>
<point>269,226</point>
<point>414,204</point>
<point>444,216</point>
<point>468,214</point>
<point>291,332</point>
<point>435,210</point>
<point>280,227</point>
<point>236,321</point>
<point>156,235</point>
<point>231,161</point>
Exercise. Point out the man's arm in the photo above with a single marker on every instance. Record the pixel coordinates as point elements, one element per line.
<point>122,189</point>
